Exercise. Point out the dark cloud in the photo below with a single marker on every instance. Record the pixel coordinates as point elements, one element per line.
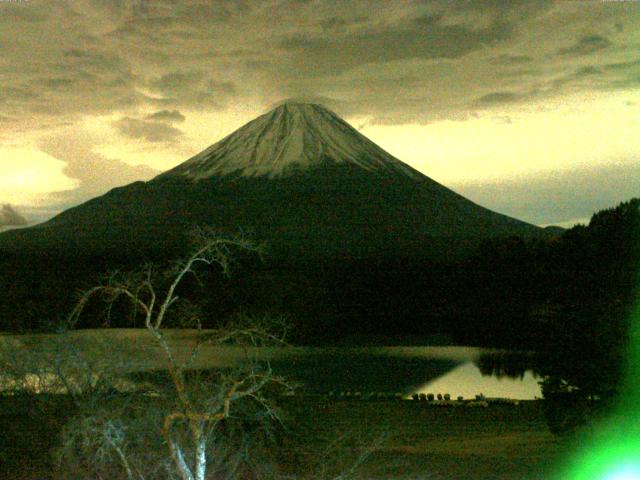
<point>321,100</point>
<point>176,82</point>
<point>517,7</point>
<point>21,12</point>
<point>558,196</point>
<point>630,65</point>
<point>169,13</point>
<point>63,76</point>
<point>405,65</point>
<point>337,23</point>
<point>597,77</point>
<point>520,74</point>
<point>387,110</point>
<point>19,92</point>
<point>9,217</point>
<point>586,45</point>
<point>421,38</point>
<point>625,84</point>
<point>395,61</point>
<point>497,98</point>
<point>150,131</point>
<point>511,60</point>
<point>58,83</point>
<point>587,71</point>
<point>221,88</point>
<point>95,61</point>
<point>194,88</point>
<point>257,64</point>
<point>169,116</point>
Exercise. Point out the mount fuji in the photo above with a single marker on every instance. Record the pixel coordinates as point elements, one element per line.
<point>298,178</point>
<point>294,136</point>
<point>357,242</point>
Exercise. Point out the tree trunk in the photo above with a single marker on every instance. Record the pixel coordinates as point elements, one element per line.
<point>201,458</point>
<point>183,469</point>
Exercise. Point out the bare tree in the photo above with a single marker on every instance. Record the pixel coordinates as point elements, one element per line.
<point>194,414</point>
<point>152,404</point>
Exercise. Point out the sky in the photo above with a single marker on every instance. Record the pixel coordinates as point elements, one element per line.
<point>528,107</point>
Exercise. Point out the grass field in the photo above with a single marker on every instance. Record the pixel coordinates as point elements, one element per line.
<point>423,442</point>
<point>404,439</point>
<point>396,439</point>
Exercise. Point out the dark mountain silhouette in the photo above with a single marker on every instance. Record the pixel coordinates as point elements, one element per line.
<point>298,178</point>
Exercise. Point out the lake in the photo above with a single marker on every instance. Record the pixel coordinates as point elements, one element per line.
<point>318,370</point>
<point>404,370</point>
<point>466,380</point>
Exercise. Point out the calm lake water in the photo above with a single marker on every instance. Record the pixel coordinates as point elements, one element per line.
<point>404,370</point>
<point>467,380</point>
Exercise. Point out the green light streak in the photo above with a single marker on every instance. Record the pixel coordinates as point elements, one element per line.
<point>613,453</point>
<point>616,458</point>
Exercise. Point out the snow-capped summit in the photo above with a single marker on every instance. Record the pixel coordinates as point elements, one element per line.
<point>292,137</point>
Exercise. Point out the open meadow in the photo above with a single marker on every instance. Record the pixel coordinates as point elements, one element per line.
<point>320,435</point>
<point>419,441</point>
<point>386,439</point>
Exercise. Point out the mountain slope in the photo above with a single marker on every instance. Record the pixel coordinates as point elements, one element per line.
<point>299,178</point>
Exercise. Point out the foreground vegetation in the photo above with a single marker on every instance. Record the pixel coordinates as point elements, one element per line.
<point>569,298</point>
<point>339,439</point>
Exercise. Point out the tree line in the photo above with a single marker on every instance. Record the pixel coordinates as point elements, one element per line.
<point>571,292</point>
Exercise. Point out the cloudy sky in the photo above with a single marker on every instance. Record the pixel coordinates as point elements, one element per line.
<point>529,107</point>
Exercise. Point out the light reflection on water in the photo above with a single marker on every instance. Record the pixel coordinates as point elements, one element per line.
<point>467,381</point>
<point>404,370</point>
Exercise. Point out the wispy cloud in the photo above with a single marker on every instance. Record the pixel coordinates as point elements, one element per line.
<point>208,56</point>
<point>193,88</point>
<point>9,217</point>
<point>169,116</point>
<point>150,131</point>
<point>495,98</point>
<point>94,172</point>
<point>558,197</point>
<point>586,45</point>
<point>508,59</point>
